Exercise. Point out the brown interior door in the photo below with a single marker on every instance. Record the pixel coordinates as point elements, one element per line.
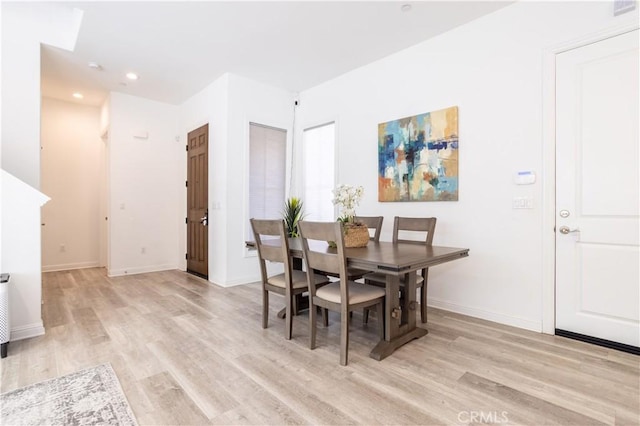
<point>197,201</point>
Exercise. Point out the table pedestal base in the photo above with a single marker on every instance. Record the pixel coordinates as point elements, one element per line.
<point>386,348</point>
<point>301,304</point>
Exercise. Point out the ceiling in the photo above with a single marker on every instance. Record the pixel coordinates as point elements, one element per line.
<point>178,48</point>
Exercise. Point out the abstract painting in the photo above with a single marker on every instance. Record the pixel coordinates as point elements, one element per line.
<point>418,157</point>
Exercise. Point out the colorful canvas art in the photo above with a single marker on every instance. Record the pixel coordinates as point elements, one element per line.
<point>418,157</point>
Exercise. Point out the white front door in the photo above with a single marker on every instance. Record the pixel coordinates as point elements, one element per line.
<point>597,190</point>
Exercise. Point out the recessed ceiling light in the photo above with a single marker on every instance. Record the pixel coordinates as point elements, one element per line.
<point>405,7</point>
<point>94,65</point>
<point>132,76</point>
<point>78,95</point>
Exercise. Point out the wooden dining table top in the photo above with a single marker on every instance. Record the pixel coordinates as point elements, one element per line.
<point>387,257</point>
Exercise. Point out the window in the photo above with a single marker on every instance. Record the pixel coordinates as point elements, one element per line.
<point>267,156</point>
<point>319,172</point>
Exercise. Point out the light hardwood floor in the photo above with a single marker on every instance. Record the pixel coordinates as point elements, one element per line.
<point>188,352</point>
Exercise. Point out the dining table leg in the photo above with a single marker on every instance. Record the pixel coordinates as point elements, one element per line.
<point>400,318</point>
<point>301,302</point>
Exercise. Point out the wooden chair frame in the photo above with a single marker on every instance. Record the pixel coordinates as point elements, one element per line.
<point>332,260</point>
<point>275,228</point>
<point>418,224</point>
<point>371,222</point>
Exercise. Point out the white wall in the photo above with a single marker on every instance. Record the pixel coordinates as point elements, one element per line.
<point>24,27</point>
<point>491,69</point>
<point>209,106</point>
<point>20,98</point>
<point>249,101</point>
<point>71,163</point>
<point>20,215</point>
<point>229,105</point>
<point>145,212</point>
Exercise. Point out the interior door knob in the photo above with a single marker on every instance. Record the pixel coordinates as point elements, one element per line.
<point>566,230</point>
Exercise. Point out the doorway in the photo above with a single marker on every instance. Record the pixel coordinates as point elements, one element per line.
<point>198,201</point>
<point>597,292</point>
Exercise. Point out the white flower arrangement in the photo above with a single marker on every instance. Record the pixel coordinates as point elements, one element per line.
<point>348,198</point>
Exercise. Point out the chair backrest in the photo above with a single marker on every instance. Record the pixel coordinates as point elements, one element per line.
<point>278,248</point>
<point>372,222</point>
<point>319,256</point>
<point>421,225</point>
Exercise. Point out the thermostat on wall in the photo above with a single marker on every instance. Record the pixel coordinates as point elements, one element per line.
<point>525,177</point>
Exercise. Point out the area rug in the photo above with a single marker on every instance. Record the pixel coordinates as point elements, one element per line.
<point>88,397</point>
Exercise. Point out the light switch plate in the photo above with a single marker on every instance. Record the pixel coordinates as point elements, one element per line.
<point>522,202</point>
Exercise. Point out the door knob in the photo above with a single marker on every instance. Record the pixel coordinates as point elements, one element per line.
<point>204,219</point>
<point>566,230</point>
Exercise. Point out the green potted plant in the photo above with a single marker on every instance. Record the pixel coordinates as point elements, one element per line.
<point>292,214</point>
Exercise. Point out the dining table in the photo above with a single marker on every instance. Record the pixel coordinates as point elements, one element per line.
<point>395,261</point>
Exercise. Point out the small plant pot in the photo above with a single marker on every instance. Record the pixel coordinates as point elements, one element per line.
<point>355,234</point>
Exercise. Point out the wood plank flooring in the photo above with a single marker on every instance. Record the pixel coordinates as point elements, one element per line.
<point>189,352</point>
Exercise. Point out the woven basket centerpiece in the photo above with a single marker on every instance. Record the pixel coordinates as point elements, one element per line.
<point>355,234</point>
<point>348,197</point>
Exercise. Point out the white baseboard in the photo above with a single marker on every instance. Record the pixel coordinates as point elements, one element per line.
<point>140,270</point>
<point>487,315</point>
<point>237,282</point>
<point>26,331</point>
<point>69,266</point>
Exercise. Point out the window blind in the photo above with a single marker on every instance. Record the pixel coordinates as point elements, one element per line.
<point>267,156</point>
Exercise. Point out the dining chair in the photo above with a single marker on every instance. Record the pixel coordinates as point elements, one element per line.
<point>374,224</point>
<point>289,283</point>
<point>342,296</point>
<point>406,230</point>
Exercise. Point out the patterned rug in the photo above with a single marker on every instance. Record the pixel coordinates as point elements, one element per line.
<point>88,397</point>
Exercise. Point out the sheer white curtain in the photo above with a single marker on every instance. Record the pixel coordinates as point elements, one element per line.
<point>319,172</point>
